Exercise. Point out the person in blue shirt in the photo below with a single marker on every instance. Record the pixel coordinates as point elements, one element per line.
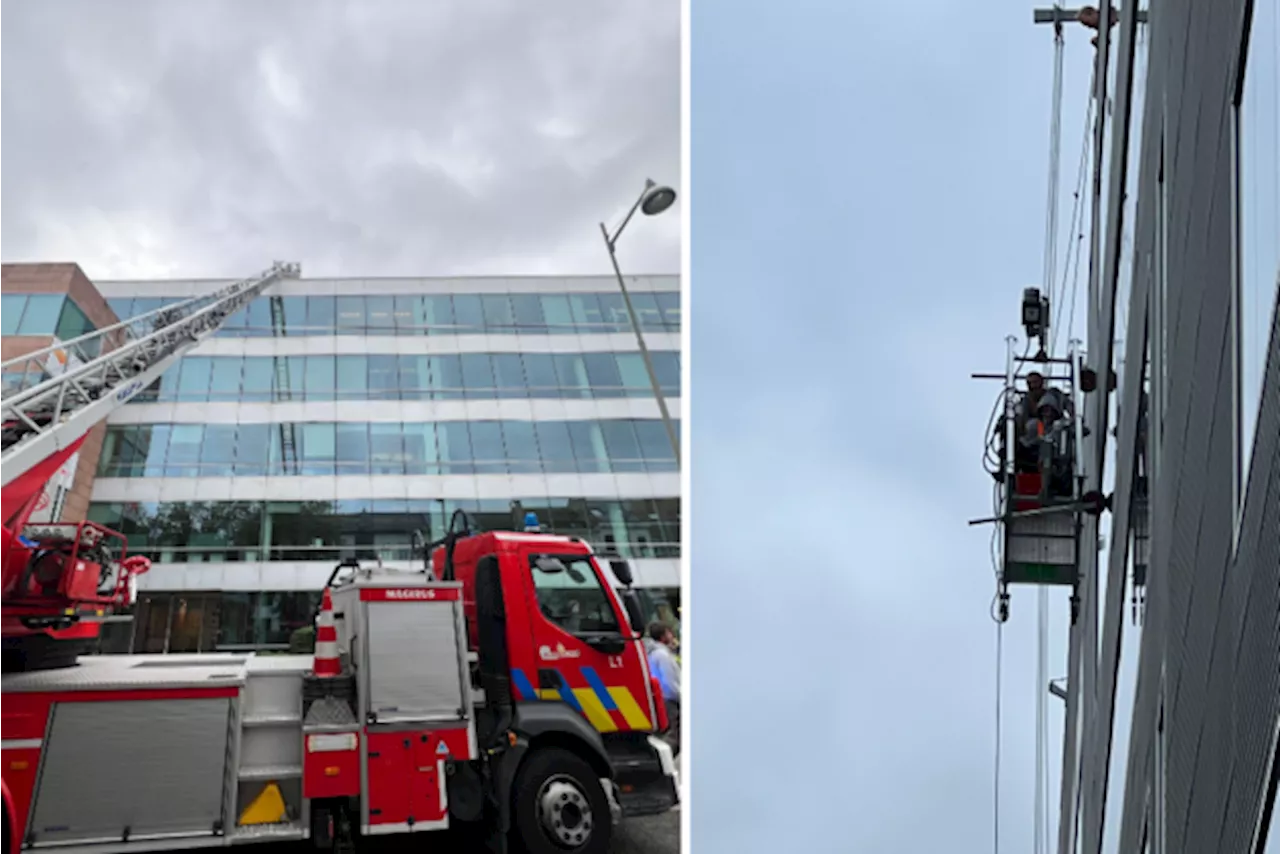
<point>663,666</point>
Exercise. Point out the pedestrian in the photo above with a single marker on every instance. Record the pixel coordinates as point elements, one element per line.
<point>663,666</point>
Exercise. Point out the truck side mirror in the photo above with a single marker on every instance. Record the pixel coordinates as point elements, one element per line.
<point>635,614</point>
<point>622,572</point>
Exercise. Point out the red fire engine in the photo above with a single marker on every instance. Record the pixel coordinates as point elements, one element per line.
<point>501,688</point>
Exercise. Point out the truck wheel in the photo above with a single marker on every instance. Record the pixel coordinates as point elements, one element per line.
<point>559,805</point>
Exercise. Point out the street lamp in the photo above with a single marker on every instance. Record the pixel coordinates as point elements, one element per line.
<point>653,200</point>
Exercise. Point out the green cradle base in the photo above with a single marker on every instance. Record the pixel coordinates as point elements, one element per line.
<point>1039,573</point>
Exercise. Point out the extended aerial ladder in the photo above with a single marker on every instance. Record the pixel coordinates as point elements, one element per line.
<point>56,576</point>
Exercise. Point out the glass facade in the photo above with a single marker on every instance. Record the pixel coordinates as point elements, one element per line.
<point>465,376</point>
<point>436,314</point>
<point>239,531</point>
<point>42,314</point>
<point>386,448</point>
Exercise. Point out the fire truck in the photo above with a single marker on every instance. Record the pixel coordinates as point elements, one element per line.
<point>502,689</point>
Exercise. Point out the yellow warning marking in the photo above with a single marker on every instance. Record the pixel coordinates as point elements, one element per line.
<point>549,694</point>
<point>267,808</point>
<point>595,710</point>
<point>635,717</point>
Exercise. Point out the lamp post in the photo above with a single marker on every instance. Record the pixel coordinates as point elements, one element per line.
<point>653,200</point>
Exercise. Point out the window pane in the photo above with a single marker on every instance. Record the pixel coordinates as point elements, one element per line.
<point>438,314</point>
<point>72,323</point>
<point>588,446</point>
<point>477,375</point>
<point>290,379</point>
<point>555,445</point>
<point>183,459</point>
<point>497,314</point>
<point>41,314</point>
<point>614,311</point>
<point>409,315</point>
<point>320,377</point>
<point>647,311</point>
<point>353,378</point>
<point>224,382</point>
<point>415,377</point>
<point>526,310</point>
<point>446,377</point>
<point>572,372</point>
<point>522,447</point>
<point>421,455</point>
<point>218,450</point>
<point>253,446</point>
<point>193,378</point>
<point>666,365</point>
<point>122,306</point>
<point>233,326</point>
<point>257,378</point>
<point>559,317</point>
<point>286,449</point>
<point>387,448</point>
<point>351,315</point>
<point>620,442</point>
<point>381,315</point>
<point>486,445</point>
<point>655,446</point>
<point>384,377</point>
<point>509,375</point>
<point>634,377</point>
<point>318,448</point>
<point>322,313</point>
<point>11,308</point>
<point>293,314</point>
<point>468,314</point>
<point>455,447</point>
<point>602,374</point>
<point>352,444</point>
<point>258,322</point>
<point>155,448</point>
<point>586,312</point>
<point>540,375</point>
<point>669,302</point>
<point>573,598</point>
<point>110,459</point>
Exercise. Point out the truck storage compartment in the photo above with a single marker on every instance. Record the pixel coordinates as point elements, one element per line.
<point>132,769</point>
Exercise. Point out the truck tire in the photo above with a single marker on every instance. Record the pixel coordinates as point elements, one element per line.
<point>559,805</point>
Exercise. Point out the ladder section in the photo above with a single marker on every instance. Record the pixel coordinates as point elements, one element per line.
<point>101,371</point>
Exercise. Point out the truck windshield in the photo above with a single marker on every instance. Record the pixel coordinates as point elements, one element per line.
<point>573,598</point>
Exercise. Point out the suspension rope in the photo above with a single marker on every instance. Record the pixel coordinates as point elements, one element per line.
<point>999,680</point>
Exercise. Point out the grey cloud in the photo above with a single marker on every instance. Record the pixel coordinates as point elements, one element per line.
<point>360,138</point>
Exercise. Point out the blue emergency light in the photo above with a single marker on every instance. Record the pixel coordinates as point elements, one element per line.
<point>531,525</point>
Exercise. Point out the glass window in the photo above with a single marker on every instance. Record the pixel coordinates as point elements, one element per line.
<point>11,308</point>
<point>123,307</point>
<point>666,365</point>
<point>233,326</point>
<point>257,378</point>
<point>508,372</point>
<point>183,459</point>
<point>387,448</point>
<point>421,454</point>
<point>218,450</point>
<point>454,443</point>
<point>320,378</point>
<point>477,376</point>
<point>622,446</point>
<point>353,378</point>
<point>224,377</point>
<point>446,377</point>
<point>293,313</point>
<point>119,449</point>
<point>384,377</point>
<point>573,597</point>
<point>351,315</point>
<point>322,315</point>
<point>258,322</point>
<point>497,314</point>
<point>655,446</point>
<point>522,447</point>
<point>558,314</point>
<point>253,449</point>
<point>381,315</point>
<point>526,310</point>
<point>669,303</point>
<point>614,311</point>
<point>352,445</point>
<point>603,375</point>
<point>409,315</point>
<point>194,374</point>
<point>319,454</point>
<point>154,449</point>
<point>468,314</point>
<point>415,377</point>
<point>555,445</point>
<point>586,313</point>
<point>647,311</point>
<point>73,323</point>
<point>286,449</point>
<point>486,445</point>
<point>635,379</point>
<point>438,314</point>
<point>41,314</point>
<point>588,446</point>
<point>540,375</point>
<point>290,379</point>
<point>572,372</point>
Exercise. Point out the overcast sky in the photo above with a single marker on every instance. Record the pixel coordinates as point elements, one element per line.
<point>360,138</point>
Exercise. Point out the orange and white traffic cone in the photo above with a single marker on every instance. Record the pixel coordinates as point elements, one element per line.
<point>326,664</point>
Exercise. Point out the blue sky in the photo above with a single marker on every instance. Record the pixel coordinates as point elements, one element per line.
<point>868,197</point>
